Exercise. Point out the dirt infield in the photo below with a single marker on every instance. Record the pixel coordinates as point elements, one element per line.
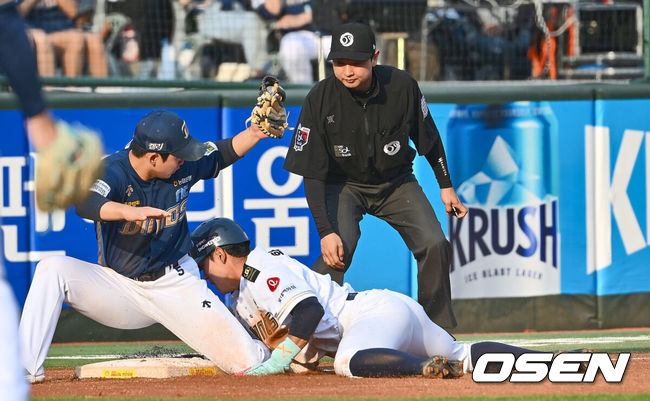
<point>61,383</point>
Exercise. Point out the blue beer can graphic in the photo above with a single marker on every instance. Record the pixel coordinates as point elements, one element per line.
<point>503,160</point>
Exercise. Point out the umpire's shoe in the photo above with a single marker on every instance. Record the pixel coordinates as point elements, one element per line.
<point>441,367</point>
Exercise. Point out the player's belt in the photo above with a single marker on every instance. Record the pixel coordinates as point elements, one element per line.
<point>155,275</point>
<point>351,296</point>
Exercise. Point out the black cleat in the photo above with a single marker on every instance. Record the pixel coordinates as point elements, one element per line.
<point>441,367</point>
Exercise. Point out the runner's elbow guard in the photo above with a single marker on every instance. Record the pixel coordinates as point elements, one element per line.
<point>305,318</point>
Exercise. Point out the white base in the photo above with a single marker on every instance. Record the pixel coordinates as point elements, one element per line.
<point>157,368</point>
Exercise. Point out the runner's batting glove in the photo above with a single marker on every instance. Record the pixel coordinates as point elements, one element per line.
<point>269,113</point>
<point>279,361</point>
<point>68,167</point>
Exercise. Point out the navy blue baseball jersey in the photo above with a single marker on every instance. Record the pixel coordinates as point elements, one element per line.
<point>135,247</point>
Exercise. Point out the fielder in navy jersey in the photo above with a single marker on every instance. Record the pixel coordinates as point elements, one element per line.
<point>132,248</point>
<point>139,207</point>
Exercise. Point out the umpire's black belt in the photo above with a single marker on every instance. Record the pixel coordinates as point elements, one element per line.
<point>155,275</point>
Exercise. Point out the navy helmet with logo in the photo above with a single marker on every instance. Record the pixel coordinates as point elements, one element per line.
<point>163,131</point>
<point>216,232</point>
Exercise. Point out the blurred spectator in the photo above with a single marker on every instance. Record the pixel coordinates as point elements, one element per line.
<point>53,29</point>
<point>327,14</point>
<point>93,40</point>
<point>299,44</point>
<point>482,43</point>
<point>232,21</point>
<point>151,25</point>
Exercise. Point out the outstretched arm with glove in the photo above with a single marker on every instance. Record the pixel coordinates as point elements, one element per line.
<point>67,167</point>
<point>69,158</point>
<point>269,113</point>
<point>305,318</point>
<point>269,119</point>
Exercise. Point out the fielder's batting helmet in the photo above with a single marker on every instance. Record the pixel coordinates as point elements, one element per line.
<point>219,231</point>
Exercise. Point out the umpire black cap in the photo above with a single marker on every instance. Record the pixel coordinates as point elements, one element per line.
<point>163,131</point>
<point>215,232</point>
<point>353,41</point>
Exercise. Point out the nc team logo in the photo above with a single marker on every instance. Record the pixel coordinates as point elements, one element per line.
<point>302,137</point>
<point>273,283</point>
<point>569,367</point>
<point>347,39</point>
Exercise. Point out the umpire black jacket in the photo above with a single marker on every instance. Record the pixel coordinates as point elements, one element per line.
<point>342,138</point>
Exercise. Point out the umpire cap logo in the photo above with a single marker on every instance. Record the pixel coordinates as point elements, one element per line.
<point>347,39</point>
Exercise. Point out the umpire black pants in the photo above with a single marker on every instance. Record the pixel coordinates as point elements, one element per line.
<point>404,206</point>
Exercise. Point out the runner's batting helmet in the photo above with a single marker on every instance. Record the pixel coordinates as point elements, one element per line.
<point>216,232</point>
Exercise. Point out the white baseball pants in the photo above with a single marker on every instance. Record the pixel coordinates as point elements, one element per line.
<point>179,300</point>
<point>387,319</point>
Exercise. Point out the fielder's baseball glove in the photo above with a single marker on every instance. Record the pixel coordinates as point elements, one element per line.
<point>269,113</point>
<point>68,167</point>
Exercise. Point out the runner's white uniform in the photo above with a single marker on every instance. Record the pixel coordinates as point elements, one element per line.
<point>273,282</point>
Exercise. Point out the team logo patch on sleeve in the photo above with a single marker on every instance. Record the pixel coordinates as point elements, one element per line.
<point>101,187</point>
<point>250,273</point>
<point>302,137</point>
<point>424,107</point>
<point>273,283</point>
<point>211,147</point>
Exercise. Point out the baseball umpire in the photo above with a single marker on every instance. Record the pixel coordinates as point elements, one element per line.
<point>376,333</point>
<point>352,148</point>
<point>144,274</point>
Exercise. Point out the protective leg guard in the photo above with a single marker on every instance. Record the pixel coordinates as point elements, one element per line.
<point>385,362</point>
